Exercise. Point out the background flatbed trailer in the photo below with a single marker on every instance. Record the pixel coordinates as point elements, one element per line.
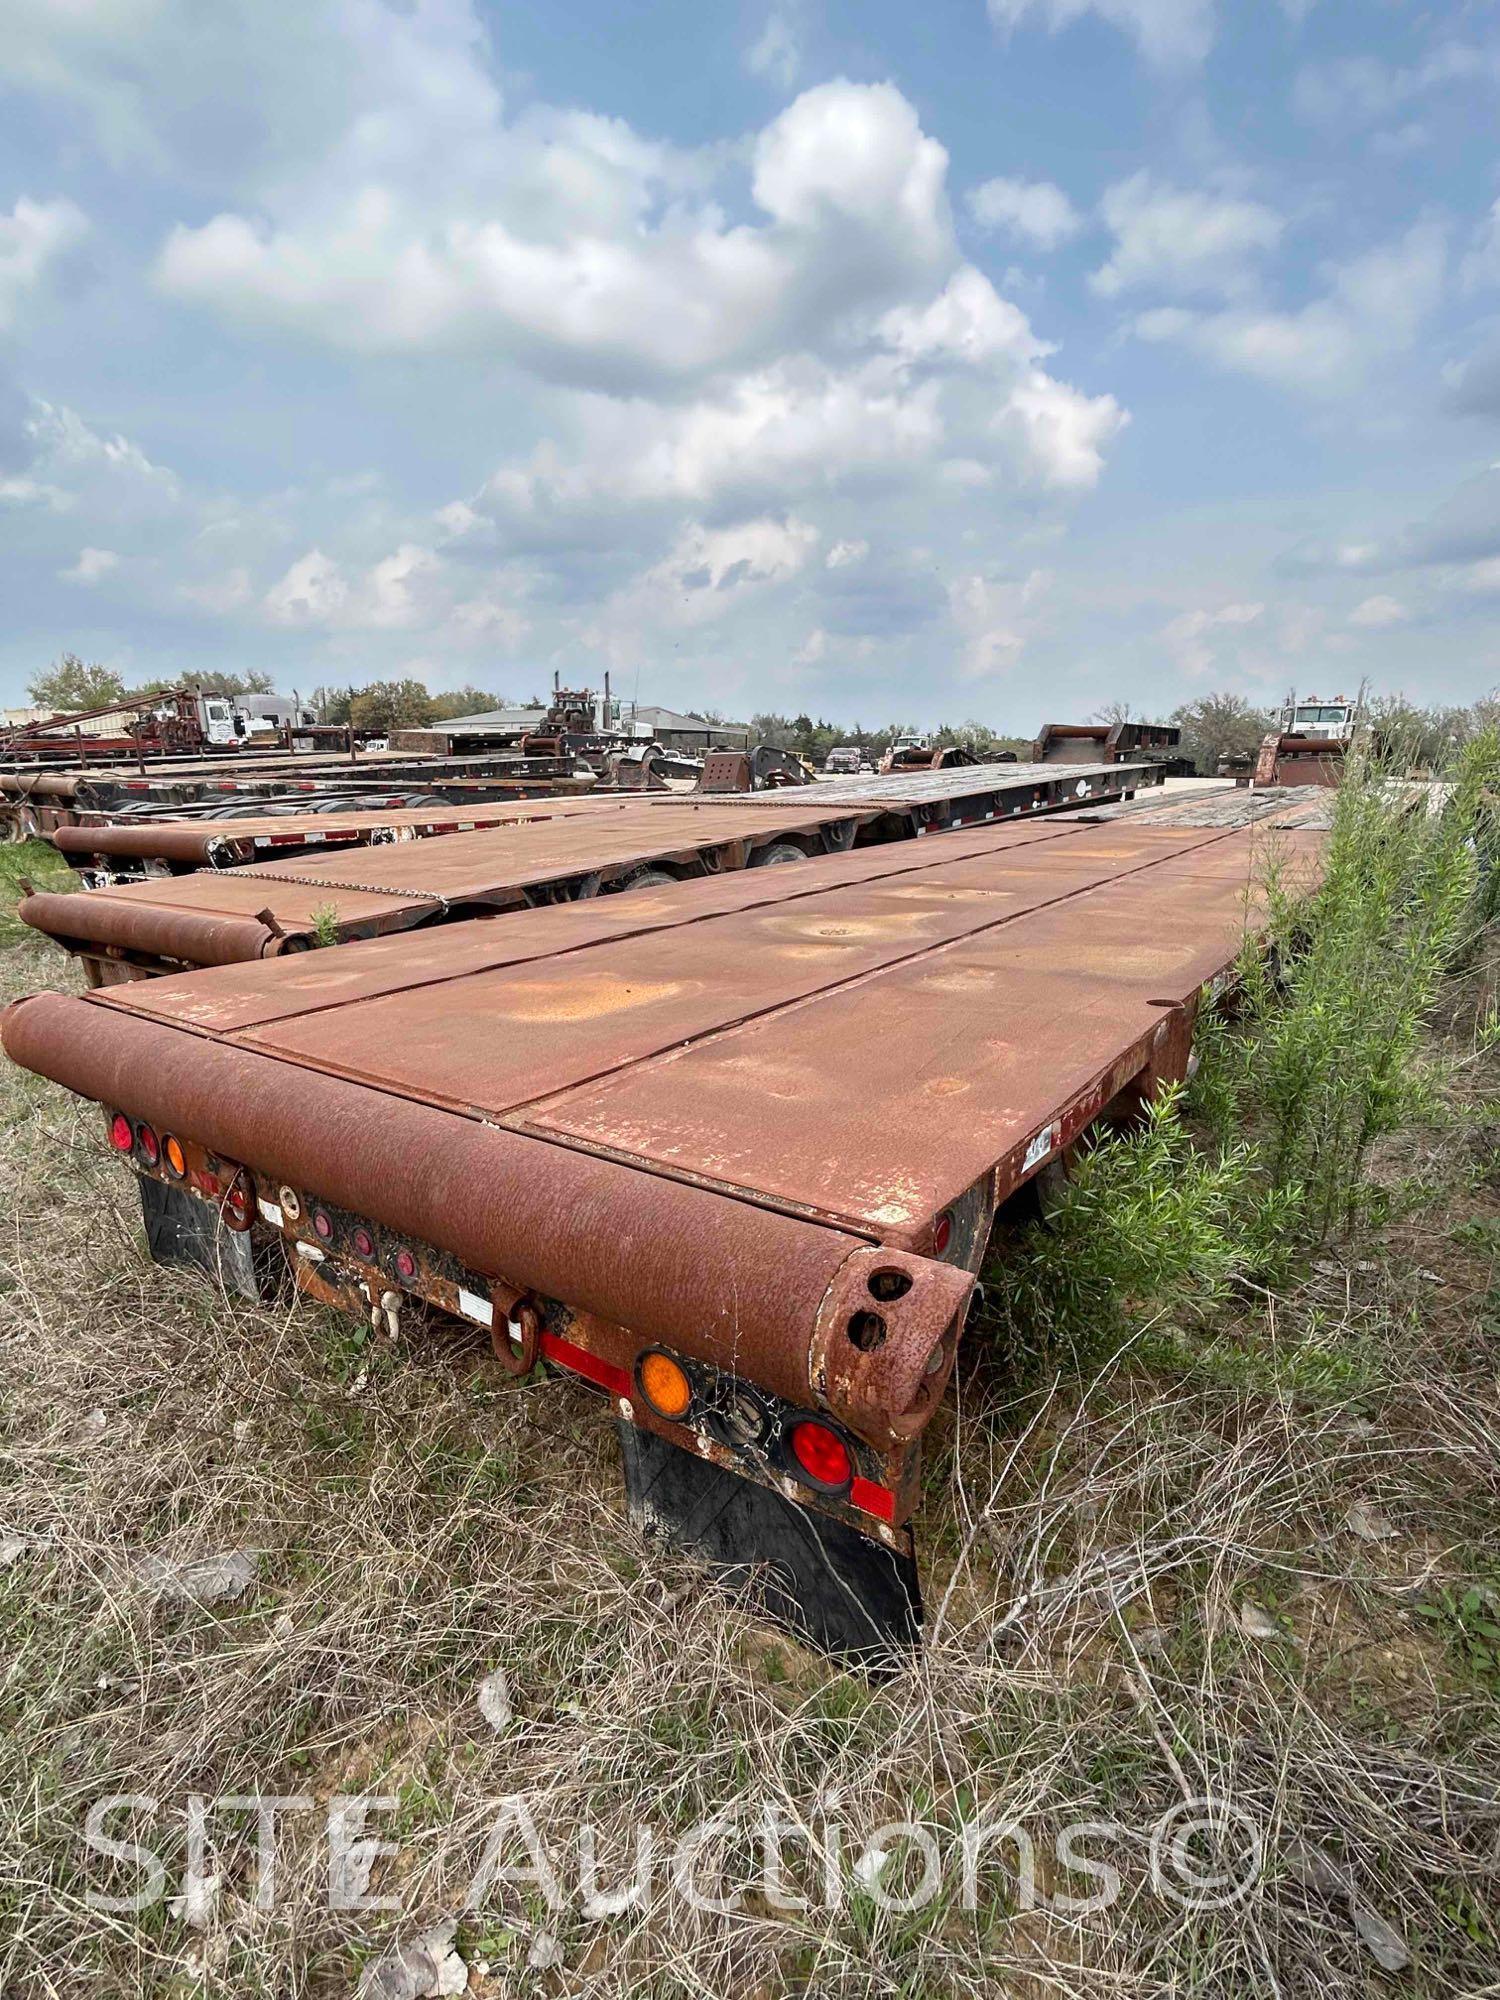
<point>137,929</point>
<point>729,1150</point>
<point>34,804</point>
<point>124,850</point>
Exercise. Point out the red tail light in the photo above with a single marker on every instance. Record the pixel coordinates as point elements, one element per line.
<point>322,1224</point>
<point>364,1242</point>
<point>121,1133</point>
<point>406,1264</point>
<point>822,1454</point>
<point>239,1203</point>
<point>942,1235</point>
<point>150,1144</point>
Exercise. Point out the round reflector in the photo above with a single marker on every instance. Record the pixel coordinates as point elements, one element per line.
<point>942,1235</point>
<point>172,1153</point>
<point>822,1454</point>
<point>150,1144</point>
<point>364,1243</point>
<point>406,1264</point>
<point>665,1385</point>
<point>121,1133</point>
<point>322,1224</point>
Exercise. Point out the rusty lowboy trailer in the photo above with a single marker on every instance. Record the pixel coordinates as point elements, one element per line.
<point>728,1150</point>
<point>134,930</point>
<point>131,849</point>
<point>40,802</point>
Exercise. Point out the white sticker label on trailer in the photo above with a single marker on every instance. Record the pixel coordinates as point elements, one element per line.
<point>476,1308</point>
<point>271,1212</point>
<point>1041,1146</point>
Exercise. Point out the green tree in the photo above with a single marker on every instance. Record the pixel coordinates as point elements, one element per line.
<point>777,730</point>
<point>971,735</point>
<point>331,704</point>
<point>465,701</point>
<point>388,705</point>
<point>213,682</point>
<point>71,684</point>
<point>1220,725</point>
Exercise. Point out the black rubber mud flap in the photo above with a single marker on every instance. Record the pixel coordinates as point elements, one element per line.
<point>829,1584</point>
<point>183,1230</point>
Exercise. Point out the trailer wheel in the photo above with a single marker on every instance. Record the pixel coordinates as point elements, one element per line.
<point>647,878</point>
<point>776,854</point>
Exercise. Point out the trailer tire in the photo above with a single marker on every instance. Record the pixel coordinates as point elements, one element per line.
<point>647,878</point>
<point>774,856</point>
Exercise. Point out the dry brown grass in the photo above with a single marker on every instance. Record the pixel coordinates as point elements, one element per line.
<point>420,1520</point>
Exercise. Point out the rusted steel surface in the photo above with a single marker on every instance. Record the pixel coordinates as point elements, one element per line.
<point>398,888</point>
<point>559,1030</point>
<point>224,843</point>
<point>199,937</point>
<point>401,885</point>
<point>1223,805</point>
<point>945,791</point>
<point>711,1114</point>
<point>232,997</point>
<point>743,1288</point>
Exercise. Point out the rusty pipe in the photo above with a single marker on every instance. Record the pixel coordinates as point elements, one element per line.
<point>778,1299</point>
<point>94,916</point>
<point>166,840</point>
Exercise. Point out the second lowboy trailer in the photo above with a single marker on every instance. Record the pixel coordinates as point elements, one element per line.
<point>727,1150</point>
<point>39,803</point>
<point>136,930</point>
<point>138,850</point>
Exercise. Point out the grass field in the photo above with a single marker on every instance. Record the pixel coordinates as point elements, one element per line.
<point>1237,1545</point>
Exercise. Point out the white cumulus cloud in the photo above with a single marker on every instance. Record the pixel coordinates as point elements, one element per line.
<point>619,278</point>
<point>33,237</point>
<point>843,554</point>
<point>1373,307</point>
<point>776,52</point>
<point>92,566</point>
<point>1378,612</point>
<point>1191,635</point>
<point>1180,240</point>
<point>1036,211</point>
<point>1168,32</point>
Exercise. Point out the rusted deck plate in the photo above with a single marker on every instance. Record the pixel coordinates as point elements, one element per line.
<point>941,788</point>
<point>858,1042</point>
<point>404,884</point>
<point>230,997</point>
<point>397,888</point>
<point>1226,805</point>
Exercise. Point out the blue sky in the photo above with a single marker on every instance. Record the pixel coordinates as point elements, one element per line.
<point>992,360</point>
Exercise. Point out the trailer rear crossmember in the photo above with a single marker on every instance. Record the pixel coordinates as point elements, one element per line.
<point>729,1151</point>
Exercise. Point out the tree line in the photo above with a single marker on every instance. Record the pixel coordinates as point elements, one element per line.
<point>72,685</point>
<point>1214,726</point>
<point>813,740</point>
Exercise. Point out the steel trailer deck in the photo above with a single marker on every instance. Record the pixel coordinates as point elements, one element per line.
<point>40,803</point>
<point>758,1125</point>
<point>183,846</point>
<point>214,918</point>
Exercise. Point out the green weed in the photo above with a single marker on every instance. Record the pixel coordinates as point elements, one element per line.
<point>1327,1051</point>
